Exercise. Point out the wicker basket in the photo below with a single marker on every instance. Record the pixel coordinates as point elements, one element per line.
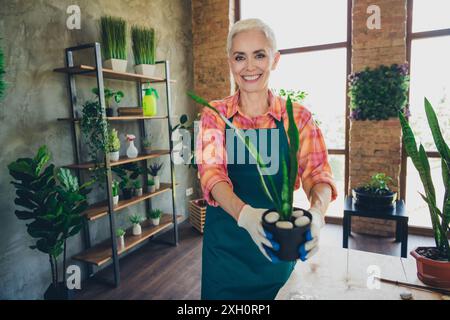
<point>197,214</point>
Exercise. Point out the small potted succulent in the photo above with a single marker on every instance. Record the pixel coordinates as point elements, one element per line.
<point>154,170</point>
<point>109,94</point>
<point>144,50</point>
<point>155,216</point>
<point>115,192</point>
<point>151,185</point>
<point>113,145</point>
<point>147,145</point>
<point>287,224</point>
<point>127,188</point>
<point>120,234</point>
<point>375,193</point>
<point>136,221</point>
<point>113,32</point>
<point>137,184</point>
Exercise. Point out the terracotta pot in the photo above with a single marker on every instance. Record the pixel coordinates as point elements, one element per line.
<point>288,239</point>
<point>432,272</point>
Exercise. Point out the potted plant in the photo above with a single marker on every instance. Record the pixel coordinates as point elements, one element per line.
<point>151,185</point>
<point>120,234</point>
<point>113,145</point>
<point>94,129</point>
<point>288,230</point>
<point>52,202</point>
<point>137,184</point>
<point>155,216</point>
<point>114,43</point>
<point>132,151</point>
<point>144,50</point>
<point>127,188</point>
<point>109,94</point>
<point>433,263</point>
<point>115,192</point>
<point>154,170</point>
<point>136,221</point>
<point>147,145</point>
<point>375,193</point>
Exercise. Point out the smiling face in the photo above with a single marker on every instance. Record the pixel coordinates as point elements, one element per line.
<point>251,61</point>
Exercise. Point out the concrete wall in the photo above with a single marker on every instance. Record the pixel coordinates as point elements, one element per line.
<point>34,37</point>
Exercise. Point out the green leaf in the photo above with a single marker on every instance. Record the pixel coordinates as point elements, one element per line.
<point>439,141</point>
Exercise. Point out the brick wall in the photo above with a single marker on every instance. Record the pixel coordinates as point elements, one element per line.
<point>211,21</point>
<point>375,146</point>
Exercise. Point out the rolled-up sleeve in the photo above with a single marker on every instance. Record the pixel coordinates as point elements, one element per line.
<point>211,153</point>
<point>314,167</point>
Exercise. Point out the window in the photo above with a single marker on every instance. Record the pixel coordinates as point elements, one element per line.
<point>429,44</point>
<point>313,41</point>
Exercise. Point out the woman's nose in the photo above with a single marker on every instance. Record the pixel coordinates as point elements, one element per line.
<point>250,64</point>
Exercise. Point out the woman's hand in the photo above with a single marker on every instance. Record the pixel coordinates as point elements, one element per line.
<point>311,246</point>
<point>250,219</point>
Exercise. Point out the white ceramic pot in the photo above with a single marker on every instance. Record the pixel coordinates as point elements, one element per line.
<point>152,189</point>
<point>148,70</point>
<point>115,200</point>
<point>138,192</point>
<point>155,222</point>
<point>157,182</point>
<point>121,242</point>
<point>114,156</point>
<point>117,65</point>
<point>137,230</point>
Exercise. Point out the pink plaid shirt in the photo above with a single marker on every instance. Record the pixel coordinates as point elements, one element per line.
<point>312,156</point>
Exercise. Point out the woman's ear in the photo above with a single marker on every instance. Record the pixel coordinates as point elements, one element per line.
<point>276,58</point>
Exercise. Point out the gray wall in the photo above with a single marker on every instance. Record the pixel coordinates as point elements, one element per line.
<point>34,37</point>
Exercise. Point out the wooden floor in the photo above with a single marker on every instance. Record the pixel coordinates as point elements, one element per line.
<point>161,271</point>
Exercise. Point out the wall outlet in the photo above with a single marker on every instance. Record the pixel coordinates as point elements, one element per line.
<point>189,192</point>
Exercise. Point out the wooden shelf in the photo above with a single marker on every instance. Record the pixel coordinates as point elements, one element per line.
<point>119,118</point>
<point>109,74</point>
<point>102,253</point>
<point>122,160</point>
<point>100,209</point>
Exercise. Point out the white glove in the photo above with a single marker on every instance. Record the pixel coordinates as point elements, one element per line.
<point>311,246</point>
<point>250,219</point>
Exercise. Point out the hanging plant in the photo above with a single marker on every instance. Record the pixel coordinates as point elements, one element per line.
<point>380,93</point>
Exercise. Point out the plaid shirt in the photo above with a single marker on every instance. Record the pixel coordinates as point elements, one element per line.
<point>312,156</point>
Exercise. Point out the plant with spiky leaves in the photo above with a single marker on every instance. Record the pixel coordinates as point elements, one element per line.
<point>281,199</point>
<point>144,45</point>
<point>113,33</point>
<point>440,219</point>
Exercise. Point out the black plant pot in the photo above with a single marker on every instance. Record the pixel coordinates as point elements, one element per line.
<point>109,112</point>
<point>127,193</point>
<point>371,200</point>
<point>60,292</point>
<point>288,239</point>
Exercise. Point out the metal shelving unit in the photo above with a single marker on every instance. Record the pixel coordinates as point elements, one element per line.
<point>108,251</point>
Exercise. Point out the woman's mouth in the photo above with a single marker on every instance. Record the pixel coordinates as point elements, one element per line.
<point>252,78</point>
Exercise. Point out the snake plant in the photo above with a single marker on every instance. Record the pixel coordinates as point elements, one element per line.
<point>440,219</point>
<point>281,199</point>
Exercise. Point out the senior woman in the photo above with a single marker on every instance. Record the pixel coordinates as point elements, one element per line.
<point>238,261</point>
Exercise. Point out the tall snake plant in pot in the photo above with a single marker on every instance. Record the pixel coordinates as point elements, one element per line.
<point>287,227</point>
<point>433,263</point>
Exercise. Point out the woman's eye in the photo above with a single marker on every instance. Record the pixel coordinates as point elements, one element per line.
<point>239,58</point>
<point>260,56</point>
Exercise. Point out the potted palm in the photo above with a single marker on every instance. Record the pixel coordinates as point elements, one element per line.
<point>288,230</point>
<point>144,50</point>
<point>115,192</point>
<point>375,193</point>
<point>137,184</point>
<point>155,216</point>
<point>109,94</point>
<point>120,234</point>
<point>136,221</point>
<point>113,145</point>
<point>113,32</point>
<point>433,263</point>
<point>52,201</point>
<point>154,170</point>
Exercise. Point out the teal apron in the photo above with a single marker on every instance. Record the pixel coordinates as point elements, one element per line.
<point>232,265</point>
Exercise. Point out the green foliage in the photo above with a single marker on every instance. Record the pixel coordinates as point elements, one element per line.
<point>94,128</point>
<point>154,168</point>
<point>440,219</point>
<point>113,141</point>
<point>2,72</point>
<point>144,45</point>
<point>380,93</point>
<point>53,201</point>
<point>135,219</point>
<point>154,214</point>
<point>120,232</point>
<point>137,184</point>
<point>113,33</point>
<point>146,142</point>
<point>295,95</point>
<point>127,174</point>
<point>283,204</point>
<point>115,188</point>
<point>378,184</point>
<point>109,94</point>
<point>150,182</point>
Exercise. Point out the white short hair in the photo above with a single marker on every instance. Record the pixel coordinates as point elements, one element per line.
<point>252,24</point>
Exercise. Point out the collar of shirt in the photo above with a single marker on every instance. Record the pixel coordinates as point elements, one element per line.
<point>274,106</point>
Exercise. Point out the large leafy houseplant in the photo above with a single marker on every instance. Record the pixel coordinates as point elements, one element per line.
<point>52,200</point>
<point>440,218</point>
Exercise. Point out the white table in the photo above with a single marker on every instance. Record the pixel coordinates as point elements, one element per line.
<point>336,273</point>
